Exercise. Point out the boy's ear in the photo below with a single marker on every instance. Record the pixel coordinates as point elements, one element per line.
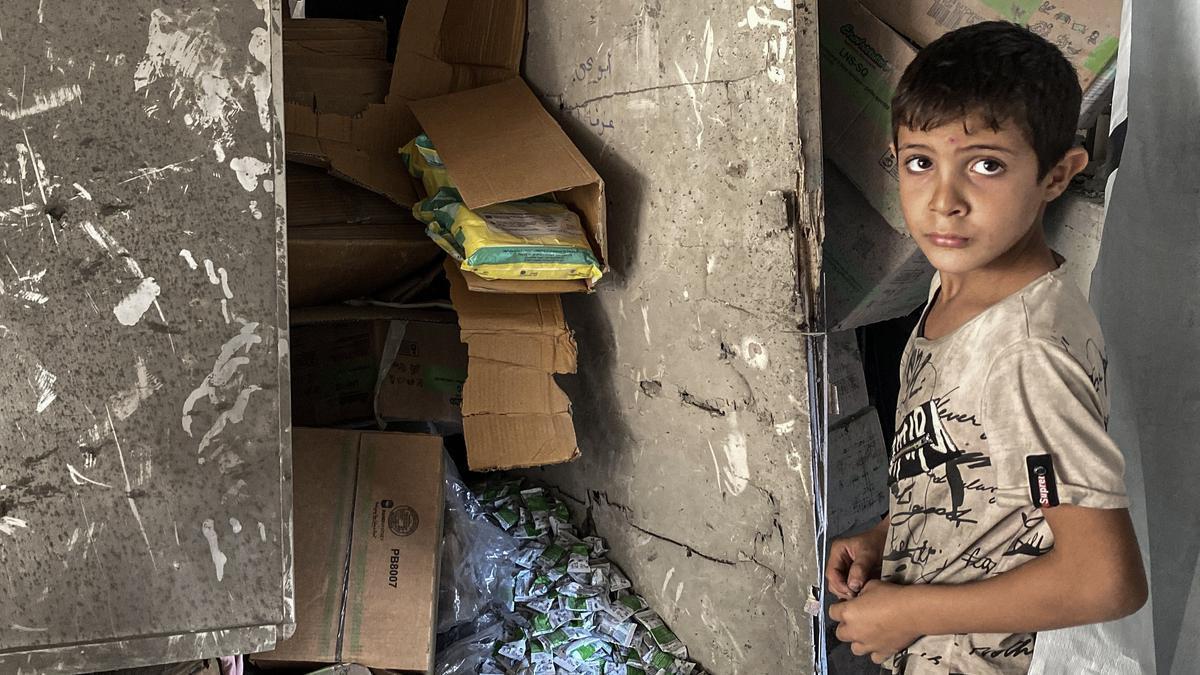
<point>1059,176</point>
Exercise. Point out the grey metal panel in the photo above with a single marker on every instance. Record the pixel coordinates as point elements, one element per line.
<point>692,401</point>
<point>1144,293</point>
<point>144,460</point>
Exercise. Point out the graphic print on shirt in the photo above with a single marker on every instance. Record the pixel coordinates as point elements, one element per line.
<point>1031,540</point>
<point>923,446</point>
<point>926,477</point>
<point>1096,364</point>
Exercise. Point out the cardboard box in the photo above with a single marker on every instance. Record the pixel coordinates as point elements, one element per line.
<point>332,263</point>
<point>861,64</point>
<point>847,381</point>
<point>316,198</point>
<point>1085,30</point>
<point>456,76</point>
<point>514,413</point>
<point>337,37</point>
<point>338,352</point>
<point>334,65</point>
<point>872,271</point>
<point>858,463</point>
<point>367,536</point>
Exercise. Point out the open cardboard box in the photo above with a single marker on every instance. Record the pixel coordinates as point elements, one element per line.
<point>456,77</point>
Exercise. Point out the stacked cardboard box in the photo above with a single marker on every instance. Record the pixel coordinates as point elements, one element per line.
<point>481,356</point>
<point>498,145</point>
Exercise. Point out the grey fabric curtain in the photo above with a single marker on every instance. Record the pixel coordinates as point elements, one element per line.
<point>1146,293</point>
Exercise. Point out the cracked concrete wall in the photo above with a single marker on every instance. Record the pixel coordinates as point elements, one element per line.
<point>143,319</point>
<point>691,401</point>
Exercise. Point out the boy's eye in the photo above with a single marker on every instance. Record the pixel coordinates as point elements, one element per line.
<point>987,167</point>
<point>918,164</point>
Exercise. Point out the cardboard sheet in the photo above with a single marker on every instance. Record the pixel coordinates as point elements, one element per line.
<point>335,65</point>
<point>514,413</point>
<point>332,263</point>
<point>339,37</point>
<point>368,516</point>
<point>848,392</point>
<point>316,198</point>
<point>857,492</point>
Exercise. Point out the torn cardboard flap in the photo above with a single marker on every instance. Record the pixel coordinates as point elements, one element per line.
<point>497,442</point>
<point>495,388</point>
<point>485,313</point>
<point>514,413</point>
<point>556,353</point>
<point>443,47</point>
<point>500,145</point>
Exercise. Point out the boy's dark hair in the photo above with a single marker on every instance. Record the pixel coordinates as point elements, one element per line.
<point>997,70</point>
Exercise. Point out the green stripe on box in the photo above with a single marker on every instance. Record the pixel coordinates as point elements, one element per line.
<point>1101,55</point>
<point>515,255</point>
<point>1014,10</point>
<point>443,380</point>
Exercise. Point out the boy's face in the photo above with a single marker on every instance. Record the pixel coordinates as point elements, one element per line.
<point>970,195</point>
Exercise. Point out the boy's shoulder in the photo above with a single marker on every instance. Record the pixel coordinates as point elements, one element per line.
<point>1050,313</point>
<point>1054,309</point>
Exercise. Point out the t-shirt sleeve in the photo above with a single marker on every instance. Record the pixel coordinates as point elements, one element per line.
<point>1039,401</point>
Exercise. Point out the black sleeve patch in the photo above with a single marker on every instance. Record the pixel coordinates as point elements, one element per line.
<point>1043,487</point>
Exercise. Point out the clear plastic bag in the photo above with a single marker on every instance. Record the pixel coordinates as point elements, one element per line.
<point>477,567</point>
<point>465,656</point>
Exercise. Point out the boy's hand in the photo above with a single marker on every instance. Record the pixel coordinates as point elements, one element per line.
<point>876,622</point>
<point>853,561</point>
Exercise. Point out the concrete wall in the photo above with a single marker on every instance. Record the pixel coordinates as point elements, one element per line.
<point>691,402</point>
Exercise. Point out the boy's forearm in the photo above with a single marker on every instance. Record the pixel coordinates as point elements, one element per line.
<point>1043,594</point>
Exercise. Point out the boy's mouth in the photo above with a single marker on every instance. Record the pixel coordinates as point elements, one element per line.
<point>947,240</point>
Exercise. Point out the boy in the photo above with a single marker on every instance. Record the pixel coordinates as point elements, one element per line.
<point>1007,510</point>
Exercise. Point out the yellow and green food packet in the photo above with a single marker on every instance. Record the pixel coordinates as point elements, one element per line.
<point>521,240</point>
<point>424,162</point>
<point>534,239</point>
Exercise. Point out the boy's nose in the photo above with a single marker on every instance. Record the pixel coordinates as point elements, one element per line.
<point>947,201</point>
